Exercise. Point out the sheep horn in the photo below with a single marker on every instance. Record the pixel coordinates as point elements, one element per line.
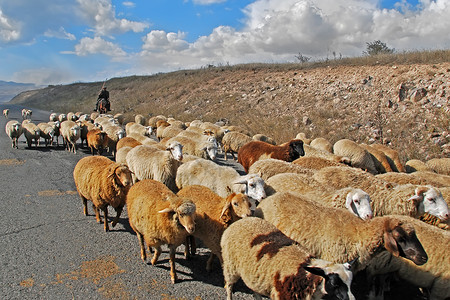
<point>166,210</point>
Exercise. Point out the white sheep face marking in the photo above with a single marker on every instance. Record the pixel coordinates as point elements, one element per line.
<point>358,203</point>
<point>177,151</point>
<point>434,204</point>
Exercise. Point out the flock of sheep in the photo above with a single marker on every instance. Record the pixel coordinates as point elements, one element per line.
<point>308,219</point>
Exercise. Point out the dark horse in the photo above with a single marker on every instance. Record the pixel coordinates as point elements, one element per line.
<point>102,106</point>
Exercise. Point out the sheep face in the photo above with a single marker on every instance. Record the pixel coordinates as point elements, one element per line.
<point>358,203</point>
<point>338,278</point>
<point>400,240</point>
<point>430,200</point>
<point>183,215</point>
<point>123,175</point>
<point>148,130</point>
<point>254,186</point>
<point>241,205</point>
<point>176,149</point>
<point>296,149</point>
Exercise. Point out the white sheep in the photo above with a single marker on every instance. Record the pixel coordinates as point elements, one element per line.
<point>26,114</point>
<point>263,138</point>
<point>214,215</point>
<point>14,130</point>
<point>222,180</point>
<point>53,117</point>
<point>140,119</point>
<point>159,217</point>
<point>57,128</point>
<point>267,168</point>
<point>273,265</point>
<point>233,141</point>
<point>340,236</point>
<point>147,162</point>
<point>115,133</point>
<point>47,132</point>
<point>359,157</point>
<point>6,113</point>
<point>206,147</point>
<point>313,152</point>
<point>121,154</point>
<point>103,182</point>
<point>31,132</point>
<point>354,200</point>
<point>135,128</point>
<point>323,144</point>
<point>70,132</point>
<point>62,118</point>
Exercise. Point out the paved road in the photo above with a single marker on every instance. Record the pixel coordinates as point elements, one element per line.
<point>50,250</point>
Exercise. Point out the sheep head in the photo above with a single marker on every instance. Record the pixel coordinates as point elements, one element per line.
<point>400,240</point>
<point>430,200</point>
<point>183,214</point>
<point>358,203</point>
<point>176,149</point>
<point>296,149</point>
<point>121,176</point>
<point>253,186</point>
<point>237,206</point>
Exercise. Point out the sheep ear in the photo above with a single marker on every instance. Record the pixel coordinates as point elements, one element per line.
<point>349,201</point>
<point>225,215</point>
<point>315,270</point>
<point>241,181</point>
<point>390,244</point>
<point>166,210</point>
<point>421,190</point>
<point>351,263</point>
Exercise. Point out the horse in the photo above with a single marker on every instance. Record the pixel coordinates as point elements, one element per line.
<point>102,106</point>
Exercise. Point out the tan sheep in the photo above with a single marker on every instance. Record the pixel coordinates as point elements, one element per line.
<point>414,165</point>
<point>14,130</point>
<point>159,217</point>
<point>359,157</point>
<point>302,136</point>
<point>392,156</point>
<point>31,132</point>
<point>263,138</point>
<point>127,142</point>
<point>341,236</point>
<point>313,152</point>
<point>417,178</point>
<point>96,140</point>
<point>70,132</point>
<point>315,163</point>
<point>273,265</point>
<point>6,113</point>
<point>322,144</point>
<point>47,132</point>
<point>140,119</point>
<point>233,141</point>
<point>121,155</point>
<point>103,182</point>
<point>267,168</point>
<point>214,215</point>
<point>440,165</point>
<point>379,158</point>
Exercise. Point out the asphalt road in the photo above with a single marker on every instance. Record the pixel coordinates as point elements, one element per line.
<point>50,250</point>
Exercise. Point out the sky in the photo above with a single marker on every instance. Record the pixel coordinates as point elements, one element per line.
<point>66,41</point>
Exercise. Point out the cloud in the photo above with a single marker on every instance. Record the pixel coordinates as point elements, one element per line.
<point>43,76</point>
<point>8,32</point>
<point>96,45</point>
<point>159,40</point>
<point>129,4</point>
<point>101,15</point>
<point>61,33</point>
<point>207,2</point>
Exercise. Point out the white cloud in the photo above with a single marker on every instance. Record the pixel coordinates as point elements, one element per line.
<point>8,32</point>
<point>61,33</point>
<point>97,45</point>
<point>207,2</point>
<point>43,76</point>
<point>101,15</point>
<point>158,40</point>
<point>129,4</point>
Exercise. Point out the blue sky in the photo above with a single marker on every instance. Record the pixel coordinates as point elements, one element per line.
<point>91,40</point>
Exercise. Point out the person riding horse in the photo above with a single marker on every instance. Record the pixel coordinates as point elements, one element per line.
<point>104,94</point>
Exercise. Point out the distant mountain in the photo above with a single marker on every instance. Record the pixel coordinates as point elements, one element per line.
<point>9,89</point>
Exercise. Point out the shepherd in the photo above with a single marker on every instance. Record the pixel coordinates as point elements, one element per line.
<point>104,94</point>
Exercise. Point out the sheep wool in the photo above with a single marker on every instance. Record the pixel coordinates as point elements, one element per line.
<point>359,157</point>
<point>14,130</point>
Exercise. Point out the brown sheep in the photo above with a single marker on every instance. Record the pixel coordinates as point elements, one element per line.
<point>256,150</point>
<point>104,182</point>
<point>159,217</point>
<point>96,139</point>
<point>127,142</point>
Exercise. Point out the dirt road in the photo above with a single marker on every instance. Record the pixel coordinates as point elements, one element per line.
<point>50,250</point>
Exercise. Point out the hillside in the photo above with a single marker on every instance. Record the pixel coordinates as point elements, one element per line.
<point>401,99</point>
<point>9,89</point>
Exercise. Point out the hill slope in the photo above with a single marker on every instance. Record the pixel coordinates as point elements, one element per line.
<point>404,102</point>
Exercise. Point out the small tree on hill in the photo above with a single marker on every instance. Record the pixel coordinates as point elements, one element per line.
<point>377,47</point>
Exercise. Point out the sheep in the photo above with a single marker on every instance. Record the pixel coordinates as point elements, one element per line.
<point>152,121</point>
<point>256,150</point>
<point>136,128</point>
<point>273,265</point>
<point>387,198</point>
<point>206,147</point>
<point>115,133</point>
<point>94,115</point>
<point>104,182</point>
<point>31,132</point>
<point>313,152</point>
<point>121,154</point>
<point>47,132</point>
<point>434,276</point>
<point>70,132</point>
<point>159,217</point>
<point>6,112</point>
<point>161,126</point>
<point>120,118</point>
<point>233,141</point>
<point>392,156</point>
<point>150,163</point>
<point>140,119</point>
<point>72,117</point>
<point>302,136</point>
<point>414,165</point>
<point>267,168</point>
<point>379,158</point>
<point>322,144</point>
<point>57,128</point>
<point>440,165</point>
<point>96,140</point>
<point>170,132</point>
<point>359,157</point>
<point>26,114</point>
<point>127,142</point>
<point>142,139</point>
<point>14,130</point>
<point>315,163</point>
<point>354,200</point>
<point>222,180</point>
<point>85,127</point>
<point>417,178</point>
<point>214,215</point>
<point>263,138</point>
<point>62,118</point>
<point>53,117</point>
<point>343,236</point>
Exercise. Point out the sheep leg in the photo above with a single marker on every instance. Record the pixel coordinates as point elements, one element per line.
<point>118,213</point>
<point>173,272</point>
<point>142,245</point>
<point>209,262</point>
<point>85,209</point>
<point>156,255</point>
<point>97,214</point>
<point>225,155</point>
<point>187,246</point>
<point>105,216</point>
